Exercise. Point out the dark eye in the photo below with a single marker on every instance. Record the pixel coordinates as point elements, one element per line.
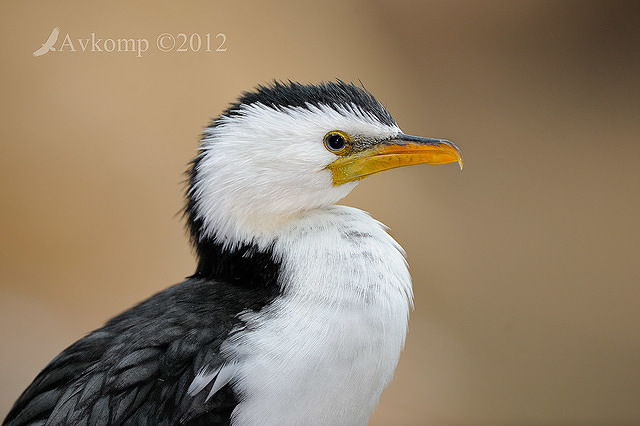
<point>336,141</point>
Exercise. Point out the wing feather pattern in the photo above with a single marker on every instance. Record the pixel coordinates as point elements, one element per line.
<point>140,367</point>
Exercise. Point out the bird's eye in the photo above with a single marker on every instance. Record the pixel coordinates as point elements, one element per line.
<point>336,142</point>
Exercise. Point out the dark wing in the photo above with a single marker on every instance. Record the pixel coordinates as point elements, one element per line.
<point>137,369</point>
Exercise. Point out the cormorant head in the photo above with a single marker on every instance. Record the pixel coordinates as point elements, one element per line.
<point>287,148</point>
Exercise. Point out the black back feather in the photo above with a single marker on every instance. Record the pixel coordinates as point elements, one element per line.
<point>137,368</point>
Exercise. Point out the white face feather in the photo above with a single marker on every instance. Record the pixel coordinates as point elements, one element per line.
<point>263,166</point>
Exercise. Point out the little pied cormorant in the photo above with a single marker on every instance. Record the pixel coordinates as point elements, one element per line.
<point>297,312</point>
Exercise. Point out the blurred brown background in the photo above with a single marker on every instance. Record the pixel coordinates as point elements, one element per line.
<point>525,264</point>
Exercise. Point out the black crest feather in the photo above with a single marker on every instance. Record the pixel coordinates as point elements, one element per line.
<point>280,95</point>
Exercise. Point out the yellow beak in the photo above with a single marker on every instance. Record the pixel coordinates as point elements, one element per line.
<point>403,150</point>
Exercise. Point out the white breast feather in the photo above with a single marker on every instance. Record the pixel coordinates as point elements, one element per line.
<point>324,352</point>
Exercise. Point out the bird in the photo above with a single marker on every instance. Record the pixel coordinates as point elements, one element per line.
<point>298,308</point>
<point>47,46</point>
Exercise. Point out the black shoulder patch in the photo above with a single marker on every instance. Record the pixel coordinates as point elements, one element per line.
<point>280,95</point>
<point>244,266</point>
